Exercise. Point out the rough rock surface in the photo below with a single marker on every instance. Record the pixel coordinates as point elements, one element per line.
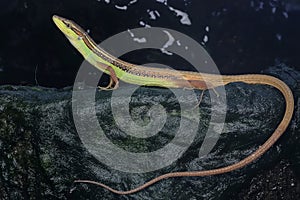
<point>41,153</point>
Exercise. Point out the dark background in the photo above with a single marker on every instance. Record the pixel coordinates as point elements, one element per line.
<point>244,37</point>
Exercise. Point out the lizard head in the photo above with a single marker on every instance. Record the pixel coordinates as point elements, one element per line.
<point>69,28</point>
<point>75,34</point>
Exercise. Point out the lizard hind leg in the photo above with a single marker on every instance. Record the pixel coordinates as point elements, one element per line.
<point>215,91</point>
<point>202,93</point>
<point>200,99</point>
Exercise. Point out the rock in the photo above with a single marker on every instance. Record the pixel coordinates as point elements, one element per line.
<point>42,153</point>
<point>280,182</point>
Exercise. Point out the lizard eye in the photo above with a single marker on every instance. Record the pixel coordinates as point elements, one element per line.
<point>68,25</point>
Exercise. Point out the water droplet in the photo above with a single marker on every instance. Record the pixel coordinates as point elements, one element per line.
<point>121,7</point>
<point>207,28</point>
<point>205,39</point>
<point>285,14</point>
<point>278,36</point>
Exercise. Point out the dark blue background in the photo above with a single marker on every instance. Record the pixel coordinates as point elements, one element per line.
<point>244,36</point>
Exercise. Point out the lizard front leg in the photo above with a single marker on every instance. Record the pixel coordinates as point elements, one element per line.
<point>113,80</point>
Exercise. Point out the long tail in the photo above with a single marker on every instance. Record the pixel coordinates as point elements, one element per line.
<point>250,79</point>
